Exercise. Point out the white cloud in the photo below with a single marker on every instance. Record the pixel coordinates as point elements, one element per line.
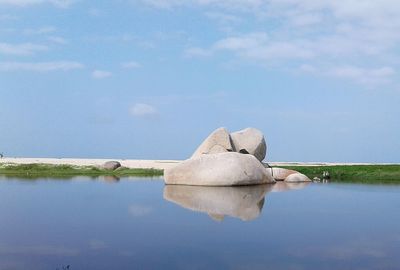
<point>58,40</point>
<point>101,74</point>
<point>40,66</point>
<point>25,3</point>
<point>327,35</point>
<point>21,49</point>
<point>223,18</point>
<point>39,31</point>
<point>131,64</point>
<point>95,12</point>
<point>197,52</point>
<point>372,76</point>
<point>142,110</point>
<point>228,4</point>
<point>362,75</point>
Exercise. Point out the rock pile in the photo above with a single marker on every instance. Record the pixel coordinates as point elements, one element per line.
<point>229,159</point>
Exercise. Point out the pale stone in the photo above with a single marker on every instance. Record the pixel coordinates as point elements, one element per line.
<point>245,203</point>
<point>280,174</point>
<point>219,141</point>
<point>223,169</point>
<point>297,177</point>
<point>250,141</point>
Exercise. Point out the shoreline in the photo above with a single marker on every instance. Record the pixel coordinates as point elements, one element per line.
<point>34,168</point>
<point>157,164</point>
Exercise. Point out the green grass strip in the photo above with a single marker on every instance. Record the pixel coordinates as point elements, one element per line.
<point>353,173</point>
<point>67,171</point>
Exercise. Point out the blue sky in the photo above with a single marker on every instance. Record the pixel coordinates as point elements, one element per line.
<point>151,78</point>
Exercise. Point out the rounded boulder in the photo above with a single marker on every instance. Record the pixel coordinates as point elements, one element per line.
<point>223,169</point>
<point>250,141</point>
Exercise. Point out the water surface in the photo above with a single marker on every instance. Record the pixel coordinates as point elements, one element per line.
<point>137,223</point>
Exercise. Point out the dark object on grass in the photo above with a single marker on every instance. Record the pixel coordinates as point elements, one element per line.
<point>326,175</point>
<point>111,165</point>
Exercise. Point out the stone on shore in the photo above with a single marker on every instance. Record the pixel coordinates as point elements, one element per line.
<point>250,141</point>
<point>218,141</point>
<point>111,165</point>
<point>281,174</point>
<point>223,169</point>
<point>297,177</point>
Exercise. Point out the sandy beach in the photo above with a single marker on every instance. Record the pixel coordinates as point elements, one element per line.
<point>147,164</point>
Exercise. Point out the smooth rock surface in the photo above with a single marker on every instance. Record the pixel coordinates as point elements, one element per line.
<point>223,169</point>
<point>297,177</point>
<point>251,141</point>
<point>245,203</point>
<point>111,165</point>
<point>280,174</point>
<point>219,141</point>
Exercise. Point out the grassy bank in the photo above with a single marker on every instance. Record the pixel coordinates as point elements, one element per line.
<point>67,171</point>
<point>340,173</point>
<point>354,173</point>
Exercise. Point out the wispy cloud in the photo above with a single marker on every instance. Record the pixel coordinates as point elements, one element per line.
<point>131,65</point>
<point>223,18</point>
<point>95,12</point>
<point>362,75</point>
<point>328,35</point>
<point>143,110</point>
<point>101,74</point>
<point>21,49</point>
<point>40,31</point>
<point>40,66</point>
<point>57,39</point>
<point>229,4</point>
<point>26,3</point>
<point>197,52</point>
<point>7,17</point>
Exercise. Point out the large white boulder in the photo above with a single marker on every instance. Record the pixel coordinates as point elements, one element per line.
<point>223,169</point>
<point>297,177</point>
<point>245,203</point>
<point>219,141</point>
<point>251,141</point>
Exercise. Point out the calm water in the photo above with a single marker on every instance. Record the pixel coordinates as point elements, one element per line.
<point>141,224</point>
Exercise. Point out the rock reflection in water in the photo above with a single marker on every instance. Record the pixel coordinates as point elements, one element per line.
<point>245,203</point>
<point>281,186</point>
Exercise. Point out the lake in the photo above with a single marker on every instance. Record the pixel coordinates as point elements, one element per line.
<point>138,223</point>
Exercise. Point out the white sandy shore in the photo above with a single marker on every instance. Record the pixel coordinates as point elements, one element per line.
<point>147,164</point>
<point>133,164</point>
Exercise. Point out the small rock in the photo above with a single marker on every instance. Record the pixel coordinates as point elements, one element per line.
<point>316,179</point>
<point>111,165</point>
<point>280,174</point>
<point>297,177</point>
